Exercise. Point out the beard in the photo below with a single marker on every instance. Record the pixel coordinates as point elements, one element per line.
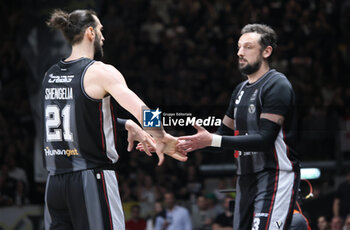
<point>98,55</point>
<point>250,68</point>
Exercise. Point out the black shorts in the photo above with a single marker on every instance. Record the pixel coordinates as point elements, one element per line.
<point>86,200</point>
<point>265,200</point>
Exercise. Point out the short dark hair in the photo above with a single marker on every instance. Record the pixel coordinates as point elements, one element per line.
<point>268,35</point>
<point>72,24</point>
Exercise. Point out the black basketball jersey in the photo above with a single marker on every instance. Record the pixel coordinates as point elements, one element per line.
<point>79,131</point>
<point>272,93</point>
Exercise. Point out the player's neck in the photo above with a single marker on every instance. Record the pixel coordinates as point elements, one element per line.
<point>258,74</point>
<point>81,50</point>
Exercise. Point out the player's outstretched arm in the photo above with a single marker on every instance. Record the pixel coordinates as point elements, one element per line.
<point>269,127</point>
<point>102,79</point>
<point>203,138</point>
<point>199,140</point>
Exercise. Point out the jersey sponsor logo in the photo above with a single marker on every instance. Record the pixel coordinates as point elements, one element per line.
<point>251,108</point>
<point>261,214</point>
<point>238,100</point>
<point>60,79</point>
<point>60,152</point>
<point>151,117</point>
<point>279,224</point>
<point>59,94</point>
<point>248,153</point>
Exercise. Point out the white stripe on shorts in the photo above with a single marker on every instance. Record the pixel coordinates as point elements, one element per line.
<point>115,204</point>
<point>282,200</point>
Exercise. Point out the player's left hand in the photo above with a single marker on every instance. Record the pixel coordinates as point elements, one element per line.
<point>165,145</point>
<point>136,133</point>
<point>141,148</point>
<point>200,140</point>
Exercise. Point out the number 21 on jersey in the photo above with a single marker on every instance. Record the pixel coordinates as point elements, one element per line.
<point>53,120</point>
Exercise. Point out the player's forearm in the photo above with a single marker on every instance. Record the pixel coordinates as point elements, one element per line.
<point>132,103</point>
<point>224,130</point>
<point>260,141</point>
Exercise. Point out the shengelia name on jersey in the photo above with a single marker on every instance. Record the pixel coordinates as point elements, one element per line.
<point>59,93</point>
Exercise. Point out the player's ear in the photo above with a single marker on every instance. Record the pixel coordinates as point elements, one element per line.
<point>267,52</point>
<point>90,33</point>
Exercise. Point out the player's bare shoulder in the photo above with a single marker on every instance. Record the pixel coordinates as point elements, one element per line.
<point>95,79</point>
<point>99,69</point>
<point>104,72</point>
<point>99,78</point>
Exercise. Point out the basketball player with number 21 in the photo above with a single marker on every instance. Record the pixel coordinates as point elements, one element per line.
<point>80,125</point>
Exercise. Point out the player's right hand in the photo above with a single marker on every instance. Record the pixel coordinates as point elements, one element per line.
<point>136,133</point>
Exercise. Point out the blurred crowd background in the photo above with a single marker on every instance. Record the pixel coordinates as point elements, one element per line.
<point>180,55</point>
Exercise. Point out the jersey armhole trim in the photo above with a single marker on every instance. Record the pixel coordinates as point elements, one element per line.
<point>241,88</point>
<point>44,78</point>
<point>82,84</point>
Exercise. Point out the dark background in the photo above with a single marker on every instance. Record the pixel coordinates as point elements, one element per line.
<point>181,56</point>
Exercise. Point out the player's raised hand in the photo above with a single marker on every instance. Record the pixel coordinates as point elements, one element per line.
<point>200,140</point>
<point>167,144</point>
<point>136,133</point>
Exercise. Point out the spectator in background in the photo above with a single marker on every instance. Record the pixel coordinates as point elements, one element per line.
<point>202,217</point>
<point>341,203</point>
<point>7,187</point>
<point>347,223</point>
<point>192,184</point>
<point>136,222</point>
<point>147,195</point>
<point>127,196</point>
<point>224,221</point>
<point>20,198</point>
<point>217,191</point>
<point>176,217</point>
<point>213,204</point>
<point>323,223</point>
<point>16,172</point>
<point>159,212</point>
<point>337,223</point>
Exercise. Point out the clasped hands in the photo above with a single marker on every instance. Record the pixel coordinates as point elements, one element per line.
<point>175,147</point>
